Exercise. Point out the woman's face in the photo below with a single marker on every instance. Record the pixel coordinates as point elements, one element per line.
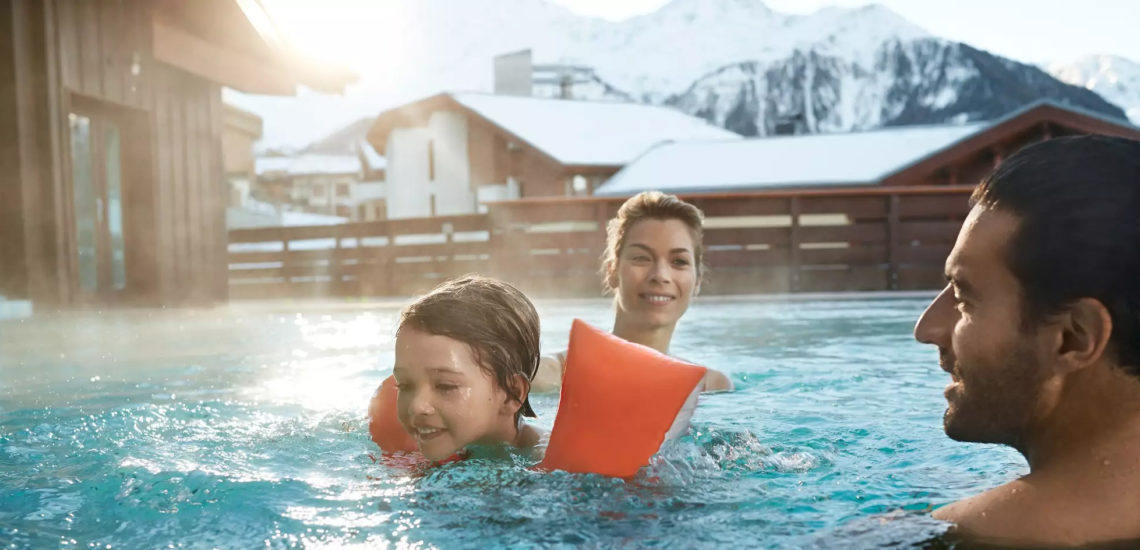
<point>656,272</point>
<point>446,401</point>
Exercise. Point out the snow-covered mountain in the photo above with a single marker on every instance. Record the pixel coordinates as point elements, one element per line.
<point>735,62</point>
<point>1114,78</point>
<point>918,81</point>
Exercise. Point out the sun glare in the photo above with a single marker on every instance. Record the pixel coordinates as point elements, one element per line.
<point>364,35</point>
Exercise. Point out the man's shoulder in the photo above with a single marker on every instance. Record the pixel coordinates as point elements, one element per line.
<point>1008,512</point>
<point>1022,511</point>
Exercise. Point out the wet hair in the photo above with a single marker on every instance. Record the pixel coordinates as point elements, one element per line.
<point>493,318</point>
<point>1077,199</point>
<point>651,205</point>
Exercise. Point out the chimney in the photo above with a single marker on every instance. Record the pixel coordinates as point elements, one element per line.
<point>513,72</point>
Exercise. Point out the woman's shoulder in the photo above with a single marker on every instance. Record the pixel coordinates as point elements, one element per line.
<point>713,380</point>
<point>548,377</point>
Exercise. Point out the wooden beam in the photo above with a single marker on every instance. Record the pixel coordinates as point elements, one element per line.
<point>13,258</point>
<point>794,245</point>
<point>892,242</point>
<point>39,143</point>
<point>215,63</point>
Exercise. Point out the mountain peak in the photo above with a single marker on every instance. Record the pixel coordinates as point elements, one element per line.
<point>713,8</point>
<point>1115,78</point>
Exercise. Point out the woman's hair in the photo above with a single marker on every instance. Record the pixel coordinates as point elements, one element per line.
<point>651,205</point>
<point>493,318</point>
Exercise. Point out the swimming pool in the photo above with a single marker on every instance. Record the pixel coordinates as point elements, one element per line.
<point>245,427</point>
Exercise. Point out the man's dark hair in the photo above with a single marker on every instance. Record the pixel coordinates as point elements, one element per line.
<point>493,318</point>
<point>1078,203</point>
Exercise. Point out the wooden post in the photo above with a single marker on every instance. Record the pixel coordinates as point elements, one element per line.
<point>892,241</point>
<point>336,271</point>
<point>794,245</point>
<point>387,267</point>
<point>449,264</point>
<point>285,258</point>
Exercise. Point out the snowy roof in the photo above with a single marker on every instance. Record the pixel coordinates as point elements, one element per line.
<point>592,133</point>
<point>856,158</point>
<point>375,160</point>
<point>307,164</point>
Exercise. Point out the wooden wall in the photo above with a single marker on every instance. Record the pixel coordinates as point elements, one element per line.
<point>837,240</point>
<point>190,188</point>
<point>96,55</point>
<point>30,181</point>
<point>13,263</point>
<point>491,162</point>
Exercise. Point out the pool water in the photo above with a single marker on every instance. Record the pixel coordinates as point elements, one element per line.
<point>244,427</point>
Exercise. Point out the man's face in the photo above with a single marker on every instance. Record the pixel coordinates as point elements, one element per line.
<point>977,323</point>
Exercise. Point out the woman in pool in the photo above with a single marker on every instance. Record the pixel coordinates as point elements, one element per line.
<point>465,356</point>
<point>653,264</point>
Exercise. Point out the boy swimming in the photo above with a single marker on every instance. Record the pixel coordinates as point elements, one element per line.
<point>465,356</point>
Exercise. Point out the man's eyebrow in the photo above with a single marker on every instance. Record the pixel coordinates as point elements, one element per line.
<point>960,282</point>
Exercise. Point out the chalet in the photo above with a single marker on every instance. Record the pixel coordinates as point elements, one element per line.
<point>113,188</point>
<point>901,156</point>
<point>450,153</point>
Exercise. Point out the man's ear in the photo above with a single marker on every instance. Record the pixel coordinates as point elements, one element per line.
<point>1086,327</point>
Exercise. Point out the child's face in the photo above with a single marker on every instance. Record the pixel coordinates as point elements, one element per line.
<point>445,400</point>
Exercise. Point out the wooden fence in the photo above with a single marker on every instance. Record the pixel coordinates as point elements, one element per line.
<point>787,241</point>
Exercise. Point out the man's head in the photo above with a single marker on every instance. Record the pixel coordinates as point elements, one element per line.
<point>1044,282</point>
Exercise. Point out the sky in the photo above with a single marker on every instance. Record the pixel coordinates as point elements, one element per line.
<point>1031,31</point>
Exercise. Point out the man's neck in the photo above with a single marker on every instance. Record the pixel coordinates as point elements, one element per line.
<point>1096,421</point>
<point>656,337</point>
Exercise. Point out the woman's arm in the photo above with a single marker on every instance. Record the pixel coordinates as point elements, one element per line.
<point>716,381</point>
<point>549,375</point>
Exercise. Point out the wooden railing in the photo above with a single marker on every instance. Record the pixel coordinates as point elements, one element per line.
<point>807,240</point>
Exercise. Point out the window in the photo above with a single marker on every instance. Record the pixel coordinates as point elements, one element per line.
<point>579,185</point>
<point>342,190</point>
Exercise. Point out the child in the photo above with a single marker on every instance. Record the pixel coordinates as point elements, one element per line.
<point>465,356</point>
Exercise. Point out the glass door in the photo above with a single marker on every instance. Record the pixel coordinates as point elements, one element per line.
<point>97,191</point>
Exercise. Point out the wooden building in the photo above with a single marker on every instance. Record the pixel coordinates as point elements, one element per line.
<point>240,130</point>
<point>866,211</point>
<point>450,153</point>
<point>932,155</point>
<point>112,188</point>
